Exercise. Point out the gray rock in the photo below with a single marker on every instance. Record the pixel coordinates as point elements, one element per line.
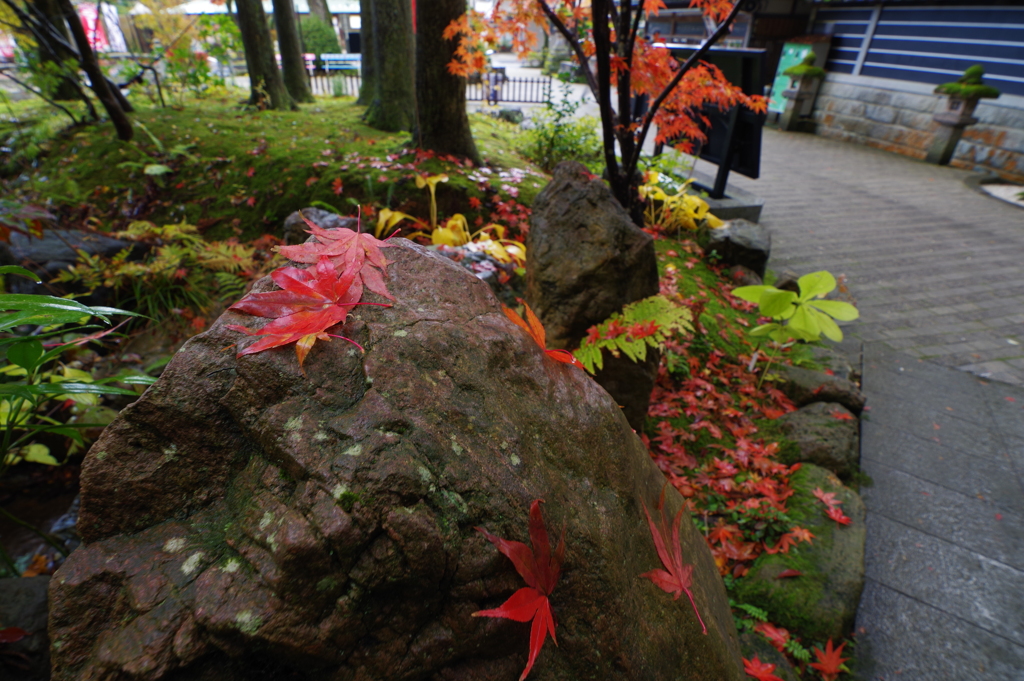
<point>822,602</point>
<point>805,386</point>
<point>510,115</point>
<point>585,261</point>
<point>744,276</point>
<point>245,519</point>
<point>741,242</point>
<point>824,437</point>
<point>294,231</point>
<point>23,605</point>
<point>57,250</point>
<point>788,281</point>
<point>832,360</point>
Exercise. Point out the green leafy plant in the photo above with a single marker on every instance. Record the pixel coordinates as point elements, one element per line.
<point>644,324</point>
<point>318,37</point>
<point>35,384</point>
<point>182,274</point>
<point>805,68</point>
<point>559,135</point>
<point>804,316</point>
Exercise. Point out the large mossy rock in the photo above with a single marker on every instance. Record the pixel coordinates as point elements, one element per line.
<point>245,521</point>
<point>807,386</point>
<point>822,602</point>
<point>586,260</point>
<point>825,434</point>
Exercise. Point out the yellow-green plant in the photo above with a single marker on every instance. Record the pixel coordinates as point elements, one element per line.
<point>430,183</point>
<point>804,316</point>
<point>490,239</point>
<point>673,213</point>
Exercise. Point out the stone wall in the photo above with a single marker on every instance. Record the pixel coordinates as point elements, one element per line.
<point>896,115</point>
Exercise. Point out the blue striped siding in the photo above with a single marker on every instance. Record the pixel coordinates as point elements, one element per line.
<point>931,44</point>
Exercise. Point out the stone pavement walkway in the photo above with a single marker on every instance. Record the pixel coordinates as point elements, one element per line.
<point>937,270</point>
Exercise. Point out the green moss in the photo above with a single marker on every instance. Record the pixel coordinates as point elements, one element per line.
<point>969,86</point>
<point>805,68</point>
<point>347,500</point>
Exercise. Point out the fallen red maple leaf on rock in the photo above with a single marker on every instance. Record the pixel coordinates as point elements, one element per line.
<point>533,327</point>
<point>835,511</point>
<point>676,577</point>
<point>309,302</point>
<point>345,248</point>
<point>12,634</point>
<point>540,570</point>
<point>777,636</point>
<point>762,671</point>
<point>829,661</point>
<point>836,514</point>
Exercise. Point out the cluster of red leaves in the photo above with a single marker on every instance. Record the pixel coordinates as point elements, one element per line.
<point>833,506</point>
<point>616,328</point>
<point>704,437</point>
<point>762,671</point>
<point>311,301</point>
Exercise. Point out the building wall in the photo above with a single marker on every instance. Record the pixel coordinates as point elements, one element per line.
<point>896,115</point>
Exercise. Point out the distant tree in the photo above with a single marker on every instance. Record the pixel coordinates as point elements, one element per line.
<point>318,9</point>
<point>288,40</point>
<point>368,65</point>
<point>51,52</point>
<point>267,89</point>
<point>318,37</point>
<point>393,99</point>
<point>442,125</point>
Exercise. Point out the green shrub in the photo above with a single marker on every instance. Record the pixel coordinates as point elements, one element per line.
<point>318,37</point>
<point>558,136</point>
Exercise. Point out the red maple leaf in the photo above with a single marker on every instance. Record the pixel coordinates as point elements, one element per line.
<point>12,635</point>
<point>801,533</point>
<point>344,247</point>
<point>309,302</point>
<point>842,416</point>
<point>676,578</point>
<point>540,570</point>
<point>762,671</point>
<point>777,636</point>
<point>337,186</point>
<point>533,327</point>
<point>829,661</point>
<point>836,514</point>
<point>312,180</point>
<point>827,498</point>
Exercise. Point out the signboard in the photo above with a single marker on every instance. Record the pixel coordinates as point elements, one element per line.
<point>792,54</point>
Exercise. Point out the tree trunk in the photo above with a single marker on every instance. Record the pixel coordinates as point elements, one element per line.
<point>295,78</point>
<point>442,125</point>
<point>91,67</point>
<point>266,86</point>
<point>318,8</point>
<point>49,12</point>
<point>368,66</point>
<point>392,105</point>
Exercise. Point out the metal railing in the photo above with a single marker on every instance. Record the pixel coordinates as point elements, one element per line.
<point>511,90</point>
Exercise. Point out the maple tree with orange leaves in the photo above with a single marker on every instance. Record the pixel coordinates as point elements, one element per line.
<point>627,61</point>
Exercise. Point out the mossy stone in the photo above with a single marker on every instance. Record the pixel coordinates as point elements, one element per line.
<point>822,602</point>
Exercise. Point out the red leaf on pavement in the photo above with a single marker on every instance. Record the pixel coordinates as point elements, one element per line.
<point>12,635</point>
<point>677,576</point>
<point>540,569</point>
<point>829,661</point>
<point>836,514</point>
<point>1010,399</point>
<point>762,671</point>
<point>533,327</point>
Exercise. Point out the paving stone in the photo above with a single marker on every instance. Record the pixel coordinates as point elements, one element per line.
<point>980,526</point>
<point>980,590</point>
<point>942,646</point>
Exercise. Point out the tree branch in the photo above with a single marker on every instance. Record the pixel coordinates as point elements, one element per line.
<point>573,43</point>
<point>687,65</point>
<point>40,94</point>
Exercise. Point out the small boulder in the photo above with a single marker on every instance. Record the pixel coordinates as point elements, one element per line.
<point>820,603</point>
<point>834,363</point>
<point>510,115</point>
<point>806,386</point>
<point>58,249</point>
<point>743,276</point>
<point>826,434</point>
<point>585,260</point>
<point>23,605</point>
<point>741,242</point>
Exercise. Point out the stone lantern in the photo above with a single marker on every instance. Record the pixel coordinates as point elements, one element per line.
<point>801,92</point>
<point>961,99</point>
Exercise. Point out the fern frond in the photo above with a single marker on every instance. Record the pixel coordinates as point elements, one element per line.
<point>643,324</point>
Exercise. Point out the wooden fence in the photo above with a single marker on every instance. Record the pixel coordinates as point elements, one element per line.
<point>512,90</point>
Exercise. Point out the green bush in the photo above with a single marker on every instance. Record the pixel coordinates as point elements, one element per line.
<point>318,37</point>
<point>558,136</point>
